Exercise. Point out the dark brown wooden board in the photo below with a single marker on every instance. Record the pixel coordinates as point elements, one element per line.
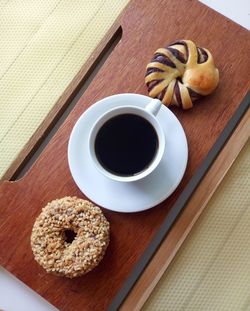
<point>146,25</point>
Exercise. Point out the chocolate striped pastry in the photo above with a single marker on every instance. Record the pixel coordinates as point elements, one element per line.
<point>181,73</point>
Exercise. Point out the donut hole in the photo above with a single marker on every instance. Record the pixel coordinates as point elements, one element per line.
<point>69,235</point>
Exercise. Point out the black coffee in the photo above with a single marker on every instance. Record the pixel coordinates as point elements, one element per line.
<point>126,144</point>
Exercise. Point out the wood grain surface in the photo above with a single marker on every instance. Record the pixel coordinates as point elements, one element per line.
<point>146,26</point>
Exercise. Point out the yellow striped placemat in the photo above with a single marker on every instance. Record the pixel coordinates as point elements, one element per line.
<point>211,271</point>
<point>43,46</point>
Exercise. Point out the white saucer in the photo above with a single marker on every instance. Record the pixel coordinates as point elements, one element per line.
<point>133,196</point>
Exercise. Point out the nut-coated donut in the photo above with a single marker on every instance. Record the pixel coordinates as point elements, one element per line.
<point>69,237</point>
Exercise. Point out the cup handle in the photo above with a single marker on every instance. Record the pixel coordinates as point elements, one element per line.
<point>153,106</point>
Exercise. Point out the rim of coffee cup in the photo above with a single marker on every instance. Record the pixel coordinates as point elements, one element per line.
<point>122,110</point>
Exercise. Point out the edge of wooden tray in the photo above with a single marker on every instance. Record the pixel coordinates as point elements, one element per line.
<point>64,100</point>
<point>185,212</point>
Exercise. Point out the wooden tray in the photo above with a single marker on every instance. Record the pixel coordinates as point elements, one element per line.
<point>146,26</point>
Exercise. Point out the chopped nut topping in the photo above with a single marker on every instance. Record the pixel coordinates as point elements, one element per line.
<point>87,249</point>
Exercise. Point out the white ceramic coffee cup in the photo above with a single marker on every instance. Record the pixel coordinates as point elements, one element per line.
<point>149,113</point>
